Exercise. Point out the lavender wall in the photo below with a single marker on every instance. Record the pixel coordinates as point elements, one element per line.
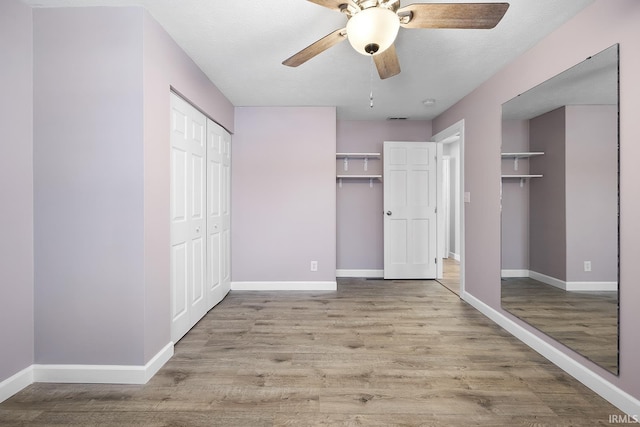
<point>359,208</point>
<point>547,196</point>
<point>166,66</point>
<point>283,194</point>
<point>599,26</point>
<point>102,80</point>
<point>515,199</point>
<point>16,188</point>
<point>592,192</point>
<point>88,183</point>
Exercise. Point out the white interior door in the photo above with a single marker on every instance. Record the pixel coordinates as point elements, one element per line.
<point>218,171</point>
<point>410,200</point>
<point>188,217</point>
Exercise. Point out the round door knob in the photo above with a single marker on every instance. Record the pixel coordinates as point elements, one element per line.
<point>389,213</point>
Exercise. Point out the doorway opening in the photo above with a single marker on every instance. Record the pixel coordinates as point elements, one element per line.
<point>452,190</point>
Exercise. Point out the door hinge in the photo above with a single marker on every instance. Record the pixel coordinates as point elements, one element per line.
<point>435,210</point>
<point>435,260</point>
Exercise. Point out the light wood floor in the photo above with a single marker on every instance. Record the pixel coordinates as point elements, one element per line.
<point>374,353</point>
<point>587,322</point>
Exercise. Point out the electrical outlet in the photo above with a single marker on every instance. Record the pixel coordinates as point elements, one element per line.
<point>587,266</point>
<point>314,265</point>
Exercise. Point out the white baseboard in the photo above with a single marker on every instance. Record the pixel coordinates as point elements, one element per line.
<point>88,374</point>
<point>15,383</point>
<point>103,374</point>
<point>370,274</point>
<point>284,286</point>
<point>514,273</point>
<point>610,392</point>
<point>549,280</point>
<point>592,286</point>
<point>454,256</point>
<point>561,284</point>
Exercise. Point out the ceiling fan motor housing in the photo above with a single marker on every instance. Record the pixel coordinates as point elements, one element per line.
<point>373,30</point>
<point>371,48</point>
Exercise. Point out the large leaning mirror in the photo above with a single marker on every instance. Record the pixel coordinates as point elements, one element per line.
<point>560,208</point>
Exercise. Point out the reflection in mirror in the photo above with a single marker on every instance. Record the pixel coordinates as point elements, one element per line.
<point>560,204</point>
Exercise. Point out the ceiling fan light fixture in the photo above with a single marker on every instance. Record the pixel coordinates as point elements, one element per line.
<point>375,26</point>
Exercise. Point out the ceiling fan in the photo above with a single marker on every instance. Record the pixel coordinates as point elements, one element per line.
<point>372,26</point>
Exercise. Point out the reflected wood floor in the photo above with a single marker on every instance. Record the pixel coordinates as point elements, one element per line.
<point>586,322</point>
<point>374,353</point>
<point>451,275</point>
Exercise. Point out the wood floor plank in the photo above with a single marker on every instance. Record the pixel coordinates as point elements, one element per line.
<point>586,322</point>
<point>373,353</point>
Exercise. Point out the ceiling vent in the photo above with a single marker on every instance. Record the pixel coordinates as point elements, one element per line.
<point>397,118</point>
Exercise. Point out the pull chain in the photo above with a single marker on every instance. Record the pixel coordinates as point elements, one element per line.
<point>371,83</point>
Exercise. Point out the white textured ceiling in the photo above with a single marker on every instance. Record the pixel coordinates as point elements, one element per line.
<point>240,45</point>
<point>591,82</point>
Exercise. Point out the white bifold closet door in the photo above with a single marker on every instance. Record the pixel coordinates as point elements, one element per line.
<point>218,212</point>
<point>200,215</point>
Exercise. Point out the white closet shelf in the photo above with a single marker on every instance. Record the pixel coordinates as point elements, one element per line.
<point>518,156</point>
<point>351,176</point>
<point>365,156</point>
<point>357,155</point>
<point>522,155</point>
<point>522,178</point>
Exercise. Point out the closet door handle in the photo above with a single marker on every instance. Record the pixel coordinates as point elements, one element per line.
<point>388,213</point>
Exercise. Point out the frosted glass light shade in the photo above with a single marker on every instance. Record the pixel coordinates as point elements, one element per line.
<point>375,25</point>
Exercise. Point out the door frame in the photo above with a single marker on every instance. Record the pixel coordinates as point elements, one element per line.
<point>445,184</point>
<point>453,133</point>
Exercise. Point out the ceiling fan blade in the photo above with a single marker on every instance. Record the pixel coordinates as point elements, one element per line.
<point>316,48</point>
<point>453,15</point>
<point>387,63</point>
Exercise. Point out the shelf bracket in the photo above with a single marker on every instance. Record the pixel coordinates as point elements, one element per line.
<point>370,182</point>
<point>515,163</point>
<point>366,163</point>
<point>521,182</point>
<point>346,163</point>
<point>340,182</point>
